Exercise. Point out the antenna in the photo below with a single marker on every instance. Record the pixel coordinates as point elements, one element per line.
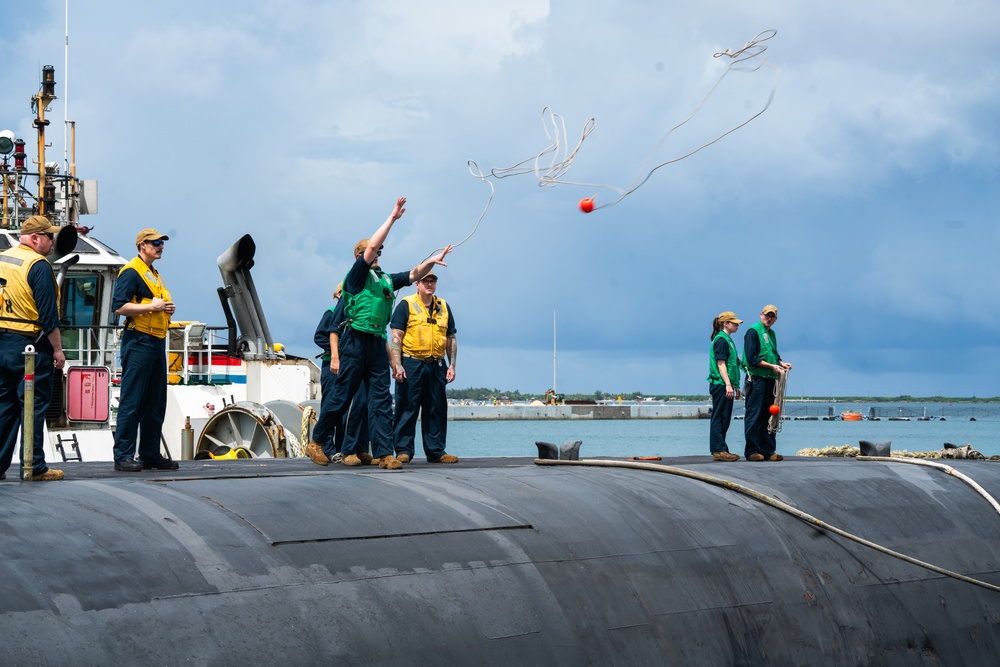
<point>554,351</point>
<point>66,95</point>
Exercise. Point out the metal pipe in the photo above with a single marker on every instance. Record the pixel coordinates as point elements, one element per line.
<point>28,424</point>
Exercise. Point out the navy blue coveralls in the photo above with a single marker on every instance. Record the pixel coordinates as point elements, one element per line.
<point>422,393</point>
<point>758,402</point>
<point>722,407</point>
<point>351,434</point>
<point>12,346</point>
<point>363,360</point>
<point>142,403</point>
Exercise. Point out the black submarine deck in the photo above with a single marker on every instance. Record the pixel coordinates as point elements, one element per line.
<point>498,561</point>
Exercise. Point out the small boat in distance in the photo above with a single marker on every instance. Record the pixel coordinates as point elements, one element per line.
<point>851,416</point>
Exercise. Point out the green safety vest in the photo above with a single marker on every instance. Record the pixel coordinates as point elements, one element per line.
<point>768,352</point>
<point>732,363</point>
<point>370,309</point>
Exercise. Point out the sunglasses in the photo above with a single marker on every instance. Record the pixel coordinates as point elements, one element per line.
<point>49,235</point>
<point>156,244</point>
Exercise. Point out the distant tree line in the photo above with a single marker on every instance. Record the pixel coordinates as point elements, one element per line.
<point>486,394</point>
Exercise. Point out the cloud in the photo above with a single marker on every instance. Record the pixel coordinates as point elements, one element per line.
<point>863,201</point>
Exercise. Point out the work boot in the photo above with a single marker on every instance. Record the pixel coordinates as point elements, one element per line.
<point>389,462</point>
<point>3,475</point>
<point>775,457</point>
<point>162,464</point>
<point>446,458</point>
<point>49,475</point>
<point>755,457</point>
<point>725,456</point>
<point>403,458</point>
<point>315,452</point>
<point>128,465</point>
<point>351,460</point>
<point>366,459</point>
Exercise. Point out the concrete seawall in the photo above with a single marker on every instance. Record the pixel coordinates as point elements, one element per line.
<point>496,412</point>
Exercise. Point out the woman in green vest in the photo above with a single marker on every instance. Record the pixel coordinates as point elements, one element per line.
<point>723,383</point>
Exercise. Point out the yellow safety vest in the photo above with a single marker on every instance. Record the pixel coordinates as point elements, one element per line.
<point>18,311</point>
<point>426,332</point>
<point>157,322</point>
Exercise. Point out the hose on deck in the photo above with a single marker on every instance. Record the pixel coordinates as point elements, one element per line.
<point>773,502</point>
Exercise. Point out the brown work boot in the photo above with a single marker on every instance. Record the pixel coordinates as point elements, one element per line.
<point>366,459</point>
<point>446,458</point>
<point>49,475</point>
<point>725,456</point>
<point>389,462</point>
<point>351,460</point>
<point>755,457</point>
<point>775,457</point>
<point>315,452</point>
<point>403,458</point>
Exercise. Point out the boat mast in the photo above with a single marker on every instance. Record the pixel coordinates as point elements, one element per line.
<point>66,95</point>
<point>554,351</point>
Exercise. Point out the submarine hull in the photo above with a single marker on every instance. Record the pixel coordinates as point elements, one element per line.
<point>498,562</point>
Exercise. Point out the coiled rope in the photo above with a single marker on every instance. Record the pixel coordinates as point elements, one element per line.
<point>775,503</point>
<point>774,421</point>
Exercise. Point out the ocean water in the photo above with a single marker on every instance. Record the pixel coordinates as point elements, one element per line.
<point>689,437</point>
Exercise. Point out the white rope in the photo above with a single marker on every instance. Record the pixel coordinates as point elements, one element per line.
<point>562,157</point>
<point>940,466</point>
<point>777,504</point>
<point>774,421</point>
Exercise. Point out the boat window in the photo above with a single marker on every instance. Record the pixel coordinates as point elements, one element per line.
<point>80,296</point>
<point>4,242</point>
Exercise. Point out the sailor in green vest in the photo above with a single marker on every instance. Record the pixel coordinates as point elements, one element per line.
<point>723,383</point>
<point>142,298</point>
<point>369,294</point>
<point>29,315</point>
<point>763,364</point>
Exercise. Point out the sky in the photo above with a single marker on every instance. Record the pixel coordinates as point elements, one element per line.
<point>864,201</point>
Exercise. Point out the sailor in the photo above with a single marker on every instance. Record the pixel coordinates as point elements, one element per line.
<point>144,300</point>
<point>350,436</point>
<point>423,333</point>
<point>763,364</point>
<point>29,315</point>
<point>723,383</point>
<point>369,293</point>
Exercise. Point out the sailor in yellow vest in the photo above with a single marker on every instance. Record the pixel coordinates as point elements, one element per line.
<point>29,315</point>
<point>142,298</point>
<point>423,333</point>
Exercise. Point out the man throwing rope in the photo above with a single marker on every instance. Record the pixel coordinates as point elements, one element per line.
<point>763,364</point>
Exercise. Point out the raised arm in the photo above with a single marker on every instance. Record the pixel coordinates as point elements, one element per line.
<point>421,270</point>
<point>378,238</point>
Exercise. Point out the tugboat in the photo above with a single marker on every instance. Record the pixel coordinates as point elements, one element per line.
<point>226,389</point>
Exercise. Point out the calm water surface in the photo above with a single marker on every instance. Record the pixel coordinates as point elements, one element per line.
<point>687,437</point>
